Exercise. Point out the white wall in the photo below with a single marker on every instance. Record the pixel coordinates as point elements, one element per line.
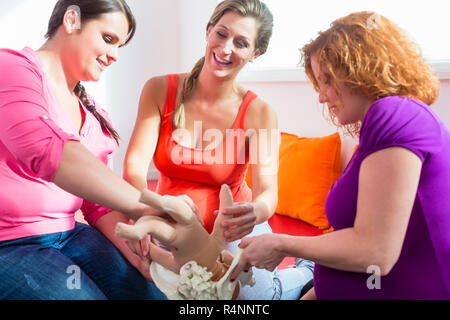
<point>153,51</point>
<point>24,22</point>
<point>300,113</point>
<point>170,38</point>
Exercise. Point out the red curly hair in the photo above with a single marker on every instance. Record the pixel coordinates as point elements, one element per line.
<point>370,54</point>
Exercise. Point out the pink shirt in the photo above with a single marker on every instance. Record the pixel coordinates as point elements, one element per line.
<point>33,130</point>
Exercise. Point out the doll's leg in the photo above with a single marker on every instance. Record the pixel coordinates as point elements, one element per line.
<point>155,226</point>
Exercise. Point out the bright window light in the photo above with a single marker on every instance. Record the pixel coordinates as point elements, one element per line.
<point>297,22</point>
<point>24,22</point>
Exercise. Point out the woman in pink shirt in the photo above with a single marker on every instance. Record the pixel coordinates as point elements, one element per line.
<point>55,149</point>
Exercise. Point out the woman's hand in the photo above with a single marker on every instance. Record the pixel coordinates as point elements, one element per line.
<point>141,248</point>
<point>261,251</point>
<point>240,221</point>
<point>136,252</point>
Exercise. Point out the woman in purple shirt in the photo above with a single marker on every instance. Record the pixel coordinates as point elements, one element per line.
<point>390,209</point>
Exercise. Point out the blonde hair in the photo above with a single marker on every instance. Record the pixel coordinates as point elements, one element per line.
<point>369,53</point>
<point>245,8</point>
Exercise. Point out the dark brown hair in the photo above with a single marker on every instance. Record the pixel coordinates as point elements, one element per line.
<point>90,10</point>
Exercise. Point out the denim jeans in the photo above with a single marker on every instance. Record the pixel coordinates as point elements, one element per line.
<point>80,264</point>
<point>285,284</point>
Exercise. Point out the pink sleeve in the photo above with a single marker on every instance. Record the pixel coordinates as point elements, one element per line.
<point>26,128</point>
<point>92,212</point>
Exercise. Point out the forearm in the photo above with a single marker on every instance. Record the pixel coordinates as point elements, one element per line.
<point>265,206</point>
<point>136,180</point>
<point>82,174</point>
<point>134,172</point>
<point>344,250</point>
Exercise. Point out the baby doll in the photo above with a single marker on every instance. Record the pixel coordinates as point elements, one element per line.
<point>194,253</point>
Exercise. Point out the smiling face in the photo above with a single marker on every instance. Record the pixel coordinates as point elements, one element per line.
<point>348,106</point>
<point>231,44</point>
<point>95,46</point>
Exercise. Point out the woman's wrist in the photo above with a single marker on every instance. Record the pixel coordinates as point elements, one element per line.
<point>143,209</point>
<point>261,211</point>
<point>283,244</point>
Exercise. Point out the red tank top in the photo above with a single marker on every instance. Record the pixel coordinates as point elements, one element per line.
<point>200,173</point>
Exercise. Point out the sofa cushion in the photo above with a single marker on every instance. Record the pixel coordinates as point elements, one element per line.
<point>307,169</point>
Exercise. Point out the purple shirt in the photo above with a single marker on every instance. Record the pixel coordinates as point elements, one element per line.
<point>423,268</point>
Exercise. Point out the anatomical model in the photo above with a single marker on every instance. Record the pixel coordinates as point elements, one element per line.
<point>196,267</point>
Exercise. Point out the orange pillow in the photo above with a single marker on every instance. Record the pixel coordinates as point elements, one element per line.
<point>307,169</point>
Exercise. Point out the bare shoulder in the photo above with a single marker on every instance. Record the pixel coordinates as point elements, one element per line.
<point>155,88</point>
<point>261,115</point>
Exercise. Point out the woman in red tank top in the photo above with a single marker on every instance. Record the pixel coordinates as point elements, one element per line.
<point>203,129</point>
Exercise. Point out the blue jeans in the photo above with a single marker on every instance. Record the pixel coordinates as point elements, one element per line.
<point>80,264</point>
<point>285,284</point>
